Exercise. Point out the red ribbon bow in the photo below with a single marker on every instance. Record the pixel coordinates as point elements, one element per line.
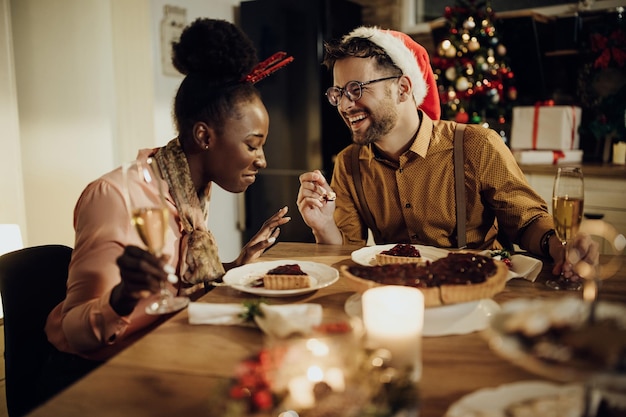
<point>536,119</point>
<point>556,155</point>
<point>267,67</point>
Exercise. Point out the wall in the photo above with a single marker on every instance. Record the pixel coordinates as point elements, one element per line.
<point>65,106</point>
<point>12,208</point>
<point>80,93</point>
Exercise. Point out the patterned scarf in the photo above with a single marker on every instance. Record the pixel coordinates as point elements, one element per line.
<point>199,260</point>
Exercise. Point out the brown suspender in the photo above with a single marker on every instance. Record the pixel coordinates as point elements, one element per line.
<point>459,188</point>
<point>356,174</point>
<point>459,185</point>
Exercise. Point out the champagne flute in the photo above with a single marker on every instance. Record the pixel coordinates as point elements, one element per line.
<point>149,215</point>
<point>567,210</point>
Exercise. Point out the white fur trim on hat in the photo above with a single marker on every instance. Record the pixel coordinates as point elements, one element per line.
<point>400,54</point>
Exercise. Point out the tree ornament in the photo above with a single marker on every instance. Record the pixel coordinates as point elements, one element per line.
<point>501,49</point>
<point>461,116</point>
<point>475,119</point>
<point>512,93</point>
<point>469,24</point>
<point>450,52</point>
<point>451,74</point>
<point>473,45</point>
<point>462,84</point>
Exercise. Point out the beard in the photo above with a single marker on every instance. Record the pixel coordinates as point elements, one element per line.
<point>382,120</point>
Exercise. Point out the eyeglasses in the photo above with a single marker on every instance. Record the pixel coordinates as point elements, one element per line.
<point>353,90</point>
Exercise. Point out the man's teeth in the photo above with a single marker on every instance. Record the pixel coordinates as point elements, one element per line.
<point>355,119</point>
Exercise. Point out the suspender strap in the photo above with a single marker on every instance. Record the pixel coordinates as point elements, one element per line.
<point>459,185</point>
<point>356,175</point>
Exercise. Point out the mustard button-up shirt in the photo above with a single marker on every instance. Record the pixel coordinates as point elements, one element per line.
<point>413,200</point>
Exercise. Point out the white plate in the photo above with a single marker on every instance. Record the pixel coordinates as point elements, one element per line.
<point>492,402</point>
<point>462,318</point>
<point>240,278</point>
<point>367,255</point>
<point>510,347</point>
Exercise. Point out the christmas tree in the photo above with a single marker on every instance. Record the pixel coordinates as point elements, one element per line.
<point>476,85</point>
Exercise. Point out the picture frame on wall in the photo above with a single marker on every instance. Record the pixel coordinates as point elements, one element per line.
<point>413,17</point>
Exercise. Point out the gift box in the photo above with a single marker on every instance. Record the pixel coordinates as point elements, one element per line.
<point>545,126</point>
<point>554,157</point>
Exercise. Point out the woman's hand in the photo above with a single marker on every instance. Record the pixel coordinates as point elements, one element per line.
<point>141,274</point>
<point>265,237</point>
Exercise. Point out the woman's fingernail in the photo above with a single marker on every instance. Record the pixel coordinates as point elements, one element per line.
<point>271,240</point>
<point>172,278</point>
<point>169,269</point>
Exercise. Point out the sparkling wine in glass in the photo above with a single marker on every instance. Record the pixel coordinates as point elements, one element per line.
<point>149,216</point>
<point>567,210</point>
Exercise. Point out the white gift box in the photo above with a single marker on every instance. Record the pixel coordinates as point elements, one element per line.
<point>554,157</point>
<point>545,127</point>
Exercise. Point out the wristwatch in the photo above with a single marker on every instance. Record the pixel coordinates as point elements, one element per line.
<point>545,242</point>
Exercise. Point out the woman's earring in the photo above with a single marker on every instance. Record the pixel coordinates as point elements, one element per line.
<point>206,146</point>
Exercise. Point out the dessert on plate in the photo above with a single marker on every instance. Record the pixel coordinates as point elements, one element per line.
<point>456,278</point>
<point>286,277</point>
<point>559,332</point>
<point>402,253</point>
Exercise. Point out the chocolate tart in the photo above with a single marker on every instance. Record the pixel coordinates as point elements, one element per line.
<point>457,278</point>
<point>286,277</point>
<point>400,254</point>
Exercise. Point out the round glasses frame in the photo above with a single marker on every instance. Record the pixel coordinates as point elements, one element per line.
<point>353,90</point>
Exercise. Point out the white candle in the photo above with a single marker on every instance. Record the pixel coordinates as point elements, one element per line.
<point>301,392</point>
<point>619,153</point>
<point>335,379</point>
<point>394,318</point>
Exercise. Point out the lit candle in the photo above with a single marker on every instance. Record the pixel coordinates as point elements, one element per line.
<point>301,392</point>
<point>335,379</point>
<point>619,153</point>
<point>394,318</point>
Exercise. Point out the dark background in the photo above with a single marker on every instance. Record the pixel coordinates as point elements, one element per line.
<point>434,9</point>
<point>305,130</point>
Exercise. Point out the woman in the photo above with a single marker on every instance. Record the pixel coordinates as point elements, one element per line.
<point>222,126</point>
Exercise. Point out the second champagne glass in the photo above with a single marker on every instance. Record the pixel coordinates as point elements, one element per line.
<point>567,210</point>
<point>149,215</point>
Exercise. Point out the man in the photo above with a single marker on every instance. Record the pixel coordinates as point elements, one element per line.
<point>403,159</point>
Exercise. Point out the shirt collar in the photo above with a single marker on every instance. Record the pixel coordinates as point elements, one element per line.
<point>424,133</point>
<point>420,144</point>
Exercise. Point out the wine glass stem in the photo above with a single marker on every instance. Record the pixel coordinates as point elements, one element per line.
<point>564,244</point>
<point>164,292</point>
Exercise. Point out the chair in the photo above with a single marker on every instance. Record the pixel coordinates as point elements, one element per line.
<point>32,282</point>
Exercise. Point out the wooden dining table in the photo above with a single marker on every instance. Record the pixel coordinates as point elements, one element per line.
<point>176,368</point>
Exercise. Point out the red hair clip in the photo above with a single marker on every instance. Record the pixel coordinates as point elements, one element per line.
<point>265,68</point>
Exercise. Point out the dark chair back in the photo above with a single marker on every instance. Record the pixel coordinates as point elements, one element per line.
<point>32,282</point>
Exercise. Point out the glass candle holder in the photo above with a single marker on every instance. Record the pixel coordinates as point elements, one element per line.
<point>317,370</point>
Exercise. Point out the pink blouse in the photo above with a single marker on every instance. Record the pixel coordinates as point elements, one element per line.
<point>84,323</point>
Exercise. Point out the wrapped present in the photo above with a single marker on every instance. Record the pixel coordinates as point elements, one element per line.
<point>547,157</point>
<point>545,126</point>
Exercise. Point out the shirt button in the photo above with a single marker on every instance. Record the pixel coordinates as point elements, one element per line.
<point>407,205</point>
<point>400,170</point>
<point>414,237</point>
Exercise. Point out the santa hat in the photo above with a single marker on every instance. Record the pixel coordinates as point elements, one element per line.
<point>412,58</point>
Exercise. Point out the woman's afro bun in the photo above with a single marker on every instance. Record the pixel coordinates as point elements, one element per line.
<point>206,47</point>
